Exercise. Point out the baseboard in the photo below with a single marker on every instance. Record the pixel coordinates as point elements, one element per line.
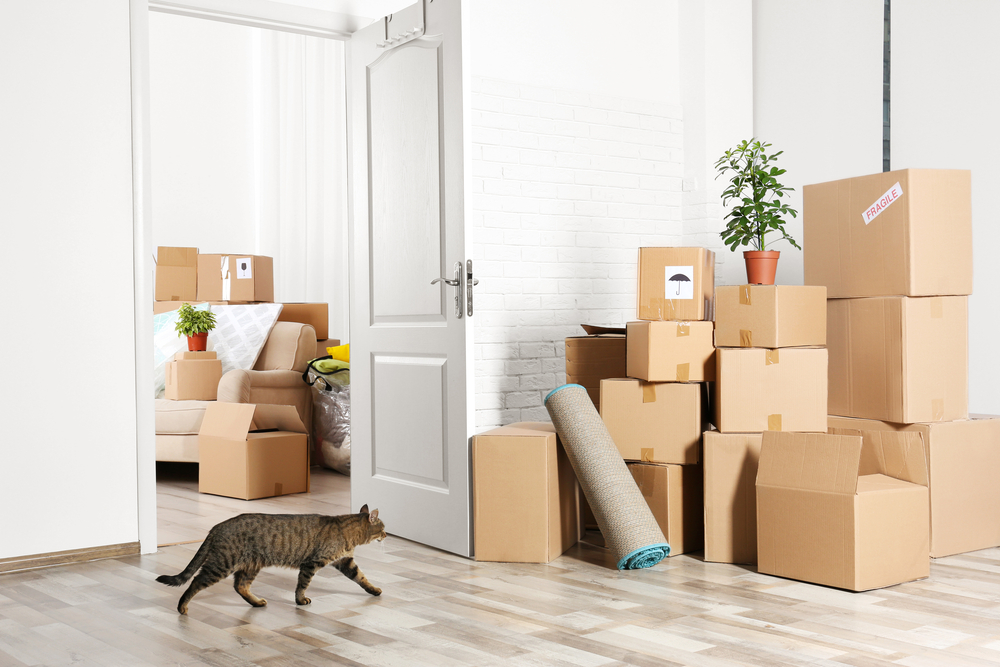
<point>66,557</point>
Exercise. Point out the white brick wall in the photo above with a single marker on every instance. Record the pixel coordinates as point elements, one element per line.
<point>567,186</point>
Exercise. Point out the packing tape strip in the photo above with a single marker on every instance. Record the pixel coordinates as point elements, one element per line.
<point>746,338</point>
<point>683,372</point>
<point>937,308</point>
<point>648,392</point>
<point>745,295</point>
<point>646,454</point>
<point>937,409</point>
<point>770,357</point>
<point>774,422</point>
<point>648,486</point>
<point>226,288</point>
<point>278,488</point>
<point>683,329</point>
<point>657,308</point>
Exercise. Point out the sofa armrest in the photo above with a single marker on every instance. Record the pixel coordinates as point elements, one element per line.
<point>236,385</point>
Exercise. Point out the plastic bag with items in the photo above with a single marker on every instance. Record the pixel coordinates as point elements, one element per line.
<point>331,384</point>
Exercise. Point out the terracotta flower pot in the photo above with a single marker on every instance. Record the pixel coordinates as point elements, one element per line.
<point>198,342</point>
<point>761,266</point>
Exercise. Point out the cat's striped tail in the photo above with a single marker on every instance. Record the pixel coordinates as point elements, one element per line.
<point>192,567</point>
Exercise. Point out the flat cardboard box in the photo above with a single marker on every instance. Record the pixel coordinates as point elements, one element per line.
<point>671,351</point>
<point>674,496</point>
<point>963,458</point>
<point>899,359</point>
<point>524,495</point>
<point>167,306</point>
<point>590,359</point>
<point>240,456</point>
<point>196,355</point>
<point>321,346</point>
<point>730,496</point>
<point>235,278</point>
<point>192,379</point>
<point>770,316</point>
<point>676,284</point>
<point>654,422</point>
<point>825,517</point>
<point>176,274</point>
<point>760,390</point>
<point>897,233</point>
<point>316,314</point>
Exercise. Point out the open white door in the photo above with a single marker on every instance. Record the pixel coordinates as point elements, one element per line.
<point>410,339</point>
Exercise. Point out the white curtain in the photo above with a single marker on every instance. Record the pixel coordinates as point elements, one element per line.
<point>300,130</point>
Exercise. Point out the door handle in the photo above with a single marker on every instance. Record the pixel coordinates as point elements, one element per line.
<point>457,283</point>
<point>470,282</point>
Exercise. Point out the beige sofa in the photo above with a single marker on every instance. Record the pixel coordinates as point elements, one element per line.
<point>276,378</point>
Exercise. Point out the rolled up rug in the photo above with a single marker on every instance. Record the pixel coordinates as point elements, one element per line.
<point>629,528</point>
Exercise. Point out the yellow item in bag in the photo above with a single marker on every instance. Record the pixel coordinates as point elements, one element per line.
<point>340,353</point>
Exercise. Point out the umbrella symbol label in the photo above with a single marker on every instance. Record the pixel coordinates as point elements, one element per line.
<point>678,282</point>
<point>244,268</point>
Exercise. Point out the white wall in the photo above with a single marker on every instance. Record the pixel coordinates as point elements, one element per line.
<point>945,96</point>
<point>66,347</point>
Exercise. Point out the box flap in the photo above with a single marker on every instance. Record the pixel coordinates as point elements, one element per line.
<point>170,256</point>
<point>531,429</point>
<point>810,461</point>
<point>898,454</point>
<point>228,420</point>
<point>280,417</point>
<point>593,330</point>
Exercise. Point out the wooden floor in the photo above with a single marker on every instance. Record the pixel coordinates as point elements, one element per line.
<point>438,609</point>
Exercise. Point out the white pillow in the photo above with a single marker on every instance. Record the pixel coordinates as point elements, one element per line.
<point>166,343</point>
<point>240,333</point>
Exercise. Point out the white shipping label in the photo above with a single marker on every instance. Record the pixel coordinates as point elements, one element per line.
<point>244,268</point>
<point>678,282</point>
<point>873,211</point>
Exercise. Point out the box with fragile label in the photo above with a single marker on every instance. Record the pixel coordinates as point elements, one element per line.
<point>899,359</point>
<point>176,274</point>
<point>829,514</point>
<point>730,496</point>
<point>654,422</point>
<point>676,284</point>
<point>192,376</point>
<point>673,494</point>
<point>590,359</point>
<point>770,390</point>
<point>770,316</point>
<point>316,314</point>
<point>235,278</point>
<point>963,458</point>
<point>524,494</point>
<point>906,233</point>
<point>671,351</point>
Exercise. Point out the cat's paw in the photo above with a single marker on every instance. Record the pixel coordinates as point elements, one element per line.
<point>303,600</point>
<point>375,591</point>
<point>261,602</point>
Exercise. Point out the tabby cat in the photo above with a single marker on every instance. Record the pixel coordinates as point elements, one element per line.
<point>248,542</point>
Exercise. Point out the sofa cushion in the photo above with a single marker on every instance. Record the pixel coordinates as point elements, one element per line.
<point>179,417</point>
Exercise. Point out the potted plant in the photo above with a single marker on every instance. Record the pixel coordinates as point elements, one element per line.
<point>759,208</point>
<point>195,324</point>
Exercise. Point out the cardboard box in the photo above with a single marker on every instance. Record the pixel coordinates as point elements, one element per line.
<point>654,422</point>
<point>899,359</point>
<point>730,496</point>
<point>316,314</point>
<point>676,284</point>
<point>193,376</point>
<point>963,459</point>
<point>770,316</point>
<point>321,346</point>
<point>235,278</point>
<point>824,518</point>
<point>590,359</point>
<point>252,451</point>
<point>903,232</point>
<point>524,495</point>
<point>674,496</point>
<point>671,351</point>
<point>195,355</point>
<point>176,274</point>
<point>770,390</point>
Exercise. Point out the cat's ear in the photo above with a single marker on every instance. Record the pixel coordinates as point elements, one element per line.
<point>364,508</point>
<point>373,517</point>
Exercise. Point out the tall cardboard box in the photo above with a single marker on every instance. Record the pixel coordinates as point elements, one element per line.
<point>770,390</point>
<point>654,422</point>
<point>176,274</point>
<point>237,278</point>
<point>193,376</point>
<point>671,351</point>
<point>316,314</point>
<point>825,519</point>
<point>905,232</point>
<point>899,359</point>
<point>674,496</point>
<point>730,496</point>
<point>963,460</point>
<point>524,494</point>
<point>252,451</point>
<point>770,316</point>
<point>676,284</point>
<point>590,359</point>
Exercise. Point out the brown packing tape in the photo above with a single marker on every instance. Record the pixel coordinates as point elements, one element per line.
<point>746,338</point>
<point>774,422</point>
<point>648,392</point>
<point>646,454</point>
<point>277,488</point>
<point>937,409</point>
<point>937,308</point>
<point>770,357</point>
<point>683,329</point>
<point>745,295</point>
<point>683,372</point>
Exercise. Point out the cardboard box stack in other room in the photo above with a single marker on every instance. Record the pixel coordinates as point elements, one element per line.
<point>674,496</point>
<point>899,359</point>
<point>316,314</point>
<point>963,458</point>
<point>322,345</point>
<point>657,422</point>
<point>770,316</point>
<point>176,274</point>
<point>905,232</point>
<point>193,376</point>
<point>592,358</point>
<point>829,514</point>
<point>524,495</point>
<point>730,496</point>
<point>252,451</point>
<point>235,278</point>
<point>671,351</point>
<point>770,390</point>
<point>676,284</point>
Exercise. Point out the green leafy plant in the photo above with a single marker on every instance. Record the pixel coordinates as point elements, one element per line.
<point>754,186</point>
<point>191,321</point>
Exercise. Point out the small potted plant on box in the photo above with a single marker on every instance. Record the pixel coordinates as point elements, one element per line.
<point>195,324</point>
<point>759,208</point>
